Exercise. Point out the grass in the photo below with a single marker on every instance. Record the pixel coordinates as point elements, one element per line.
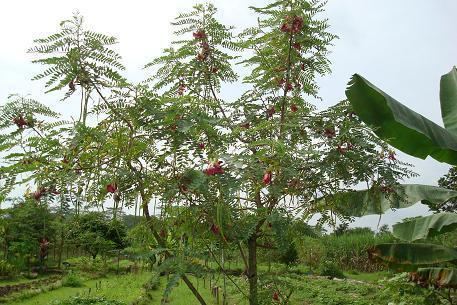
<point>309,290</point>
<point>122,287</point>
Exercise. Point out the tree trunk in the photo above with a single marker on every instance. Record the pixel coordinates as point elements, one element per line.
<point>61,244</point>
<point>252,270</point>
<point>162,243</point>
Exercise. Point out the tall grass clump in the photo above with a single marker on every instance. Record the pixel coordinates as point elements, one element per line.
<point>347,250</point>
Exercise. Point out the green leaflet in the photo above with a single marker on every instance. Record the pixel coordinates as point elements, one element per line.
<point>424,227</point>
<point>407,256</point>
<point>369,202</point>
<point>400,126</point>
<point>448,99</point>
<point>440,277</point>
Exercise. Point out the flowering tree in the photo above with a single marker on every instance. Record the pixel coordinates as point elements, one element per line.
<point>228,174</point>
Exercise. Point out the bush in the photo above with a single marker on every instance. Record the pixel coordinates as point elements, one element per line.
<point>6,269</point>
<point>399,290</point>
<point>311,251</point>
<point>153,283</point>
<point>349,250</point>
<point>72,280</point>
<point>290,256</point>
<point>89,265</point>
<point>88,301</point>
<point>329,268</point>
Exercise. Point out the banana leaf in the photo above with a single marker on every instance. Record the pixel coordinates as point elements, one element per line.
<point>372,201</point>
<point>438,277</point>
<point>423,227</point>
<point>448,99</point>
<point>400,126</point>
<point>408,257</point>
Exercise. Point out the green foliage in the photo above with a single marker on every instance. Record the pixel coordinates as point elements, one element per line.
<point>329,268</point>
<point>290,255</point>
<point>88,265</point>
<point>400,126</point>
<point>6,269</point>
<point>417,136</point>
<point>225,174</point>
<point>399,290</point>
<point>153,282</point>
<point>72,279</point>
<point>88,301</point>
<point>77,56</point>
<point>349,250</point>
<point>96,233</point>
<point>425,227</point>
<point>311,251</point>
<point>448,181</point>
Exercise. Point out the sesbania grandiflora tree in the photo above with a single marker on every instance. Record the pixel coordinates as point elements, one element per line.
<point>228,174</point>
<point>242,167</point>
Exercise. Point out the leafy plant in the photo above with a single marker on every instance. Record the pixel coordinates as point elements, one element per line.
<point>88,301</point>
<point>72,279</point>
<point>329,268</point>
<point>153,283</point>
<point>6,269</point>
<point>419,137</point>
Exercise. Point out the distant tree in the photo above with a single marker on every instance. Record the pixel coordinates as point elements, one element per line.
<point>384,229</point>
<point>341,229</point>
<point>29,231</point>
<point>448,181</point>
<point>96,233</point>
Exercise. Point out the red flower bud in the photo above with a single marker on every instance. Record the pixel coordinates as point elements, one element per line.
<point>296,46</point>
<point>181,89</point>
<point>20,121</point>
<point>392,155</point>
<point>297,24</point>
<point>341,150</point>
<point>215,229</point>
<point>37,195</point>
<point>288,86</point>
<point>267,177</point>
<point>285,28</point>
<point>271,111</point>
<point>329,133</point>
<point>72,86</point>
<point>162,233</point>
<point>111,188</point>
<point>276,296</point>
<point>213,169</point>
<point>293,108</point>
<point>292,25</point>
<point>201,145</point>
<point>200,34</point>
<point>245,125</point>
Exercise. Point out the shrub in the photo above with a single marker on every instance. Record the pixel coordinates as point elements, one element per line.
<point>89,265</point>
<point>72,280</point>
<point>88,301</point>
<point>290,256</point>
<point>400,291</point>
<point>349,250</point>
<point>6,269</point>
<point>153,283</point>
<point>311,251</point>
<point>329,268</point>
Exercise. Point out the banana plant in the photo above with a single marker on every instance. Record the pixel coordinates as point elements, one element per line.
<point>417,136</point>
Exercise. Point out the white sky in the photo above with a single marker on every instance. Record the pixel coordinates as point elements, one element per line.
<point>402,47</point>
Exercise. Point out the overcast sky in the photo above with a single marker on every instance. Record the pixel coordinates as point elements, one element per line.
<point>402,47</point>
